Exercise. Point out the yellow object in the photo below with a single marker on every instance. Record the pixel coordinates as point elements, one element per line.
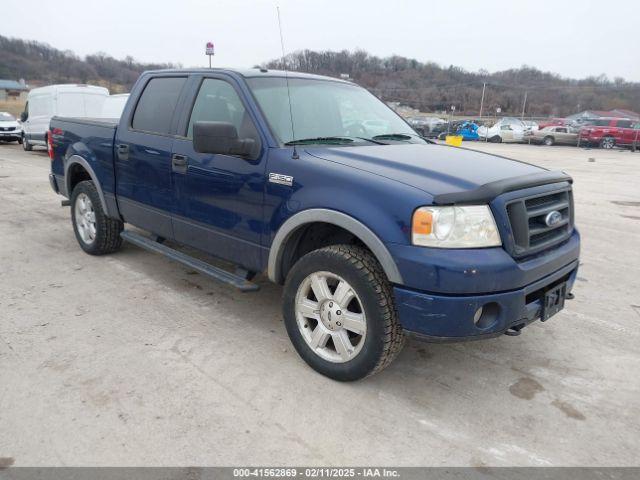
<point>453,140</point>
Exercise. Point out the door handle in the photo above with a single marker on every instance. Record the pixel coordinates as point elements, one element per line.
<point>123,151</point>
<point>179,163</point>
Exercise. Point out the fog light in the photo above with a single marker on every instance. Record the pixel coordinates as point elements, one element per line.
<point>486,316</point>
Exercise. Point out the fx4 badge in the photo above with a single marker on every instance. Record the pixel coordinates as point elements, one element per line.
<point>281,179</point>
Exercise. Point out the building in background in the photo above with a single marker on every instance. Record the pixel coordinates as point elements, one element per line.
<point>616,113</point>
<point>12,90</point>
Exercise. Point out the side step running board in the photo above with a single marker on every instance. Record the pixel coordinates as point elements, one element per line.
<point>219,274</point>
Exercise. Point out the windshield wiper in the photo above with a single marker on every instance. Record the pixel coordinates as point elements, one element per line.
<point>321,140</point>
<point>394,136</point>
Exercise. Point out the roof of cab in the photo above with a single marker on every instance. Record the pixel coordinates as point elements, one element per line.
<point>251,73</point>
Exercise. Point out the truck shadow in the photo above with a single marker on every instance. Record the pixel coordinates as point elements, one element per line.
<point>458,368</point>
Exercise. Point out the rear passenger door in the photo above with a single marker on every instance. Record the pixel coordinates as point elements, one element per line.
<point>219,198</point>
<point>561,135</point>
<point>143,156</point>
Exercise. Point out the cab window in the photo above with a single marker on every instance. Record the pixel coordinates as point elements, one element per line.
<point>217,101</point>
<point>157,105</point>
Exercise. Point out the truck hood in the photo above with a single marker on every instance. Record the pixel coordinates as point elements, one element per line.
<point>435,169</point>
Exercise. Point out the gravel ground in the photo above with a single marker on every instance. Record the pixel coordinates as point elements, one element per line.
<point>131,359</point>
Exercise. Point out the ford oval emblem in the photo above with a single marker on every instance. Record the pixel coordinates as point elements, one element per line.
<point>553,218</point>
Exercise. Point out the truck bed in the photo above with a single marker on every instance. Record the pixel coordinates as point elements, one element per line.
<point>89,138</point>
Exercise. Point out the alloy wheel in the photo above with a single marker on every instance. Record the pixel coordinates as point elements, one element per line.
<point>330,317</point>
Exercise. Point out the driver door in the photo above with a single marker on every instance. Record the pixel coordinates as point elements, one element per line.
<point>218,198</point>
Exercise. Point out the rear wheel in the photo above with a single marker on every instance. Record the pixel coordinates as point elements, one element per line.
<point>96,233</point>
<point>608,143</point>
<point>548,141</point>
<point>340,314</point>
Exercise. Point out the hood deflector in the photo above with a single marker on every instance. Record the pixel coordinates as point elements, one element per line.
<point>487,192</point>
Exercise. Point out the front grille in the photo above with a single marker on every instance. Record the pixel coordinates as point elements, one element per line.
<point>7,129</point>
<point>528,218</point>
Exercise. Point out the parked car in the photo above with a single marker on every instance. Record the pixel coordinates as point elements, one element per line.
<point>373,238</point>
<point>114,105</point>
<point>10,129</point>
<point>507,129</point>
<point>553,122</point>
<point>466,129</point>
<point>449,128</point>
<point>607,133</point>
<point>425,124</point>
<point>552,136</point>
<point>63,100</point>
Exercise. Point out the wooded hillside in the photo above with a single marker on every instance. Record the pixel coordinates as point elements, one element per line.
<point>426,86</point>
<point>431,87</point>
<point>41,64</point>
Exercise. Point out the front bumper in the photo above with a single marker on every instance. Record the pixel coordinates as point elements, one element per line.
<point>13,135</point>
<point>445,318</point>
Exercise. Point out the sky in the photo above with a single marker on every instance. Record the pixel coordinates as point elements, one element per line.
<point>569,37</point>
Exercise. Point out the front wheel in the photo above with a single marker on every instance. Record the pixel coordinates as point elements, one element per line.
<point>26,146</point>
<point>340,314</point>
<point>608,143</point>
<point>549,141</point>
<point>96,233</point>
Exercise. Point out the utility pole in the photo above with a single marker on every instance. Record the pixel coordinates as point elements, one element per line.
<point>484,85</point>
<point>524,104</point>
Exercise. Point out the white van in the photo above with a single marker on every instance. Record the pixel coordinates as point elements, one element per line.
<point>58,100</point>
<point>114,105</point>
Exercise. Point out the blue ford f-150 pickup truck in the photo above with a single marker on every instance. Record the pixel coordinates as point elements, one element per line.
<point>375,233</point>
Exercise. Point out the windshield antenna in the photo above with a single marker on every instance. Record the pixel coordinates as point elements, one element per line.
<point>286,76</point>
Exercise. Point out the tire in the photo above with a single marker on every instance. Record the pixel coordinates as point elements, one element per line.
<point>101,236</point>
<point>19,140</point>
<point>370,293</point>
<point>496,139</point>
<point>26,146</point>
<point>608,143</point>
<point>548,141</point>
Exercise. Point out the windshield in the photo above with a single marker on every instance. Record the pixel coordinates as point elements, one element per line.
<point>323,110</point>
<point>6,117</point>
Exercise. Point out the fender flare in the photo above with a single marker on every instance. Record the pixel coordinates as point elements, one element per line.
<point>339,219</point>
<point>77,159</point>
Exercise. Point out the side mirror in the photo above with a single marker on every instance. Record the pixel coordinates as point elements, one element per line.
<point>24,116</point>
<point>221,138</point>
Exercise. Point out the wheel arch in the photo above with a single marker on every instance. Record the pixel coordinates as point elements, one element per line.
<point>287,231</point>
<point>73,168</point>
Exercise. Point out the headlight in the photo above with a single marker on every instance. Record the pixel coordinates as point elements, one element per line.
<point>471,226</point>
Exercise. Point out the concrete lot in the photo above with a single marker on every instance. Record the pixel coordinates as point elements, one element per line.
<point>131,359</point>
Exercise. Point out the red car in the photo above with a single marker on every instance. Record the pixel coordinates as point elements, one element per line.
<point>609,132</point>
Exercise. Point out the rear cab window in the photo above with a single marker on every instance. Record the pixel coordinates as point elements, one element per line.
<point>157,104</point>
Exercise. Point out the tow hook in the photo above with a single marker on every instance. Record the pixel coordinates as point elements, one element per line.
<point>514,331</point>
<point>569,296</point>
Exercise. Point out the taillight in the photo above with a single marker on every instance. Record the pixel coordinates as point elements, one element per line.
<point>50,144</point>
<point>50,134</point>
